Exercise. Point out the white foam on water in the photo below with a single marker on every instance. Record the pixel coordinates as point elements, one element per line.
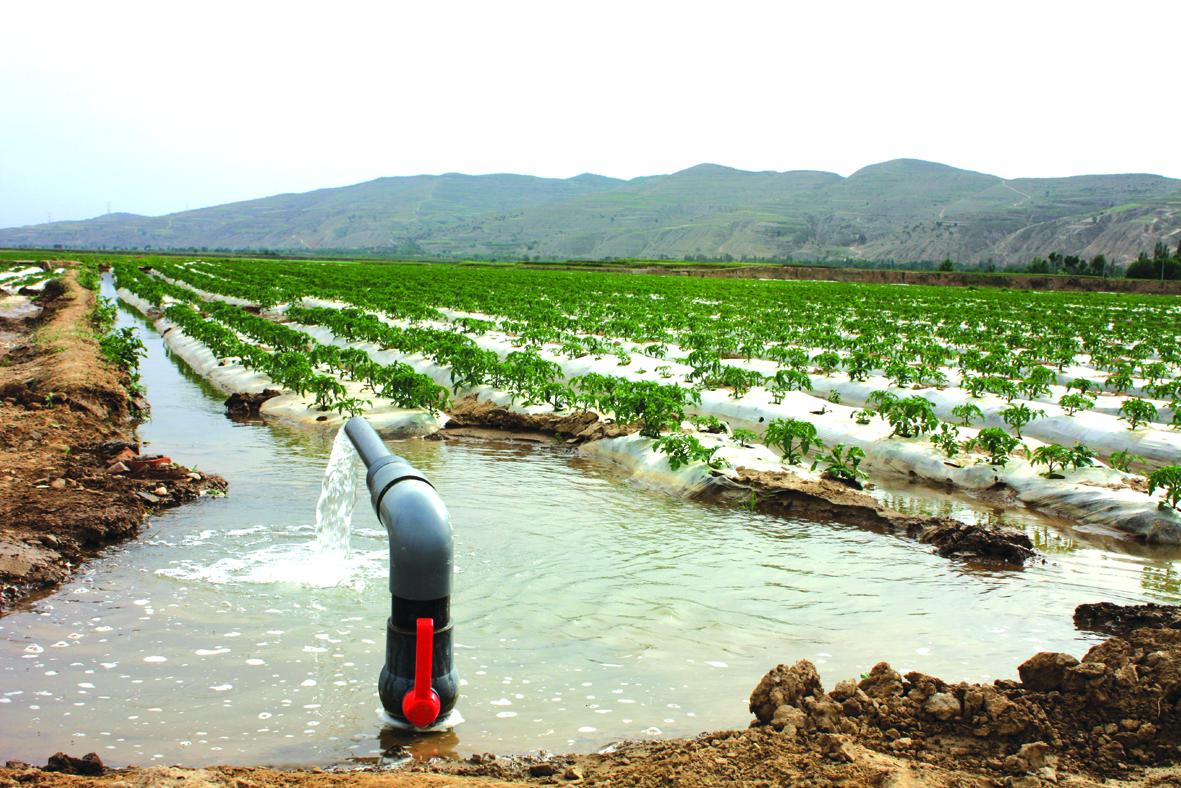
<point>303,564</point>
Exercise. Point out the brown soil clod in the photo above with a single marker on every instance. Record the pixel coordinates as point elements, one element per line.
<point>1112,619</point>
<point>89,765</point>
<point>246,406</point>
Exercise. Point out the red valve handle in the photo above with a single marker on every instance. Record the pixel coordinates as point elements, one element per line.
<point>420,706</point>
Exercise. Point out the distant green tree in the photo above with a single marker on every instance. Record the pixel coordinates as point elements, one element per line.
<point>1160,266</point>
<point>1037,266</point>
<point>947,265</point>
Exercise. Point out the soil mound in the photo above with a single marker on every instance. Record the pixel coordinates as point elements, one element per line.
<point>575,427</point>
<point>1117,708</point>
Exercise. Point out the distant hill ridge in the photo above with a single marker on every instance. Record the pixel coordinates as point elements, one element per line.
<point>904,210</point>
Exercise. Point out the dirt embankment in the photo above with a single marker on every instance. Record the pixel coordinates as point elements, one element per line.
<point>72,480</point>
<point>878,276</point>
<point>781,493</point>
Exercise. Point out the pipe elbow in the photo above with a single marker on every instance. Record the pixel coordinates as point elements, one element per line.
<point>419,528</point>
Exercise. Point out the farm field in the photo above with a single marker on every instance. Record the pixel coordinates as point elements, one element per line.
<point>661,486</point>
<point>1067,401</point>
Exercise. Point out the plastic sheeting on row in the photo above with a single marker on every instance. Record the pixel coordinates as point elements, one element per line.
<point>1096,496</point>
<point>233,378</point>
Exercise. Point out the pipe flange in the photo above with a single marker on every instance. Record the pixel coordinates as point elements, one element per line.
<point>385,473</point>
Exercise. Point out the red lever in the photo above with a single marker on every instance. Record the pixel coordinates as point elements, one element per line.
<point>420,706</point>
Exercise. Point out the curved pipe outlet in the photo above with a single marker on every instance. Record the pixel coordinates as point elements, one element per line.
<point>421,556</point>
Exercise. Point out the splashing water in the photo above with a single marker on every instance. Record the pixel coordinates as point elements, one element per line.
<point>334,510</point>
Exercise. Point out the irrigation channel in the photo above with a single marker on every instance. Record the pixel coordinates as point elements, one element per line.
<point>586,609</point>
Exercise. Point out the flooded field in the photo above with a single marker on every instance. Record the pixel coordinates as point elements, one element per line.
<point>586,609</point>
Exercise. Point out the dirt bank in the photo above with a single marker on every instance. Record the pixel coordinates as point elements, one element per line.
<point>575,427</point>
<point>828,500</point>
<point>876,276</point>
<point>72,480</point>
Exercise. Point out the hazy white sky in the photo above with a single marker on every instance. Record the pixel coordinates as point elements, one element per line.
<point>155,107</point>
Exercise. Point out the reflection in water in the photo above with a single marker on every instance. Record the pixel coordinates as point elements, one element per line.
<point>1051,542</point>
<point>1164,579</point>
<point>586,610</point>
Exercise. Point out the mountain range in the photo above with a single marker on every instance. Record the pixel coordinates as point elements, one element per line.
<point>900,210</point>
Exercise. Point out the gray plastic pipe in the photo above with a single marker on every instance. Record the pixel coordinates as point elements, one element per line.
<point>421,555</point>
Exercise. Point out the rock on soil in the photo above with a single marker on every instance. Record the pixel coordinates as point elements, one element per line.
<point>246,406</point>
<point>1112,619</point>
<point>88,765</point>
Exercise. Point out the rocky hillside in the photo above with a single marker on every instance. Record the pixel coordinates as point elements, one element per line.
<point>899,210</point>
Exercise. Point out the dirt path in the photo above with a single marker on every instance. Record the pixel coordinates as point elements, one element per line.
<point>72,480</point>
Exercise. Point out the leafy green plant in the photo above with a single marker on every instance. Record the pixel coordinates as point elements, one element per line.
<point>827,361</point>
<point>883,399</point>
<point>744,437</point>
<point>794,438</point>
<point>911,416</point>
<point>1137,412</point>
<point>1037,382</point>
<point>1083,385</point>
<point>843,464</point>
<point>975,385</point>
<point>683,449</point>
<point>862,416</point>
<point>708,423</point>
<point>947,439</point>
<point>1052,456</point>
<point>859,365</point>
<point>1120,380</point>
<point>102,317</point>
<point>1168,479</point>
<point>1072,403</point>
<point>967,413</point>
<point>738,380</point>
<point>834,397</point>
<point>1081,456</point>
<point>1018,416</point>
<point>1123,460</point>
<point>786,380</point>
<point>994,442</point>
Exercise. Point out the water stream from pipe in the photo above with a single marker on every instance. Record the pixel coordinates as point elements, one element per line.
<point>334,510</point>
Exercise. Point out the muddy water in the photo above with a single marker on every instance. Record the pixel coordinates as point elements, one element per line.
<point>586,609</point>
